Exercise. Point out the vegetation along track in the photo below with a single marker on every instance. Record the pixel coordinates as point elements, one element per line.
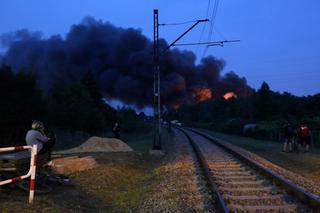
<point>242,186</point>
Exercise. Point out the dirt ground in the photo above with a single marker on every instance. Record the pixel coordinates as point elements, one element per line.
<point>118,184</point>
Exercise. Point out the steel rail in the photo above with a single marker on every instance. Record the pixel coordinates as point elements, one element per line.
<point>202,161</point>
<point>305,197</point>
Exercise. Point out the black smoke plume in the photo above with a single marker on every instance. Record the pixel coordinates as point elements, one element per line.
<point>120,61</point>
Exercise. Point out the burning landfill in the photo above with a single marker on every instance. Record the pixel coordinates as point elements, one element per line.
<point>121,62</point>
<point>201,94</point>
<point>229,95</point>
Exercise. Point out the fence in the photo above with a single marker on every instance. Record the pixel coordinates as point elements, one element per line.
<point>32,170</point>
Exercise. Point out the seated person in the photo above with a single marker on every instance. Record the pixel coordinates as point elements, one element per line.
<point>36,136</point>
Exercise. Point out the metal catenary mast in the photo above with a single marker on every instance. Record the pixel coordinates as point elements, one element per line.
<point>156,83</point>
<point>156,75</point>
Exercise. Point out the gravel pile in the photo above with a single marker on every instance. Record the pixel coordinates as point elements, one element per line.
<point>97,144</point>
<point>181,189</point>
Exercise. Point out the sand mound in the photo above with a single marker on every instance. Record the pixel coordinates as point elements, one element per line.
<point>74,164</point>
<point>97,144</point>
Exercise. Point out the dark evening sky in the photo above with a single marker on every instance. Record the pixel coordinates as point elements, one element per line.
<point>280,40</point>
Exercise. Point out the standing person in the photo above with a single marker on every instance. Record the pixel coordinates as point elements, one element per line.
<point>288,137</point>
<point>304,136</point>
<point>36,136</point>
<point>116,130</point>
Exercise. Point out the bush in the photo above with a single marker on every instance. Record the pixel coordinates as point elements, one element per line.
<point>73,108</point>
<point>130,121</point>
<point>233,126</point>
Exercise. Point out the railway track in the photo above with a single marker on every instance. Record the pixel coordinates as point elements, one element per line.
<point>241,186</point>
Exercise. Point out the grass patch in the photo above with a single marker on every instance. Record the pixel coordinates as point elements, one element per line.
<point>139,142</point>
<point>120,183</point>
<point>143,142</point>
<point>122,187</point>
<point>250,143</point>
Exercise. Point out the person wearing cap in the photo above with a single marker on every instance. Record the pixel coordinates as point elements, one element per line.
<point>36,136</point>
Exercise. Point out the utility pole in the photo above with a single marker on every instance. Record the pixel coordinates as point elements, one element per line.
<point>156,83</point>
<point>156,75</point>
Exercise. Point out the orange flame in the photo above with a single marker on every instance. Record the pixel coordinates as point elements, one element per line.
<point>229,95</point>
<point>201,94</point>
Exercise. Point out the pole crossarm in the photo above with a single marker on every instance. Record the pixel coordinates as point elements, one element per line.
<point>180,23</point>
<point>183,34</point>
<point>210,43</point>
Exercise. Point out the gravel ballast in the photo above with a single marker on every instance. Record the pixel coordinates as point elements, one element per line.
<point>304,183</point>
<point>181,188</point>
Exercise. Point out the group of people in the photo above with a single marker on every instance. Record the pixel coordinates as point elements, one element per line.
<point>300,137</point>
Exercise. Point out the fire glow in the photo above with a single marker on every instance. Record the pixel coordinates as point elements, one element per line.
<point>229,95</point>
<point>201,94</point>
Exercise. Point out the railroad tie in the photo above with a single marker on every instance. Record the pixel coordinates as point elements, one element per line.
<point>265,208</point>
<point>232,173</point>
<point>226,169</point>
<point>247,189</point>
<point>257,183</point>
<point>236,178</point>
<point>254,200</point>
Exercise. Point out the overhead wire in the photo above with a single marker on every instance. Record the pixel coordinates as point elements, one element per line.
<point>220,34</point>
<point>204,26</point>
<point>212,22</point>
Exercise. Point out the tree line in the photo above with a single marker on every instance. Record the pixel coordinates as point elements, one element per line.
<point>267,108</point>
<point>77,107</point>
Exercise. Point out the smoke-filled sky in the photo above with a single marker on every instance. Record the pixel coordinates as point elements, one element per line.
<point>279,39</point>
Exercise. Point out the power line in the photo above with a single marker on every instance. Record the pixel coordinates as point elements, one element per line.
<point>212,20</point>
<point>204,26</point>
<point>217,31</point>
<point>214,14</point>
<point>183,34</point>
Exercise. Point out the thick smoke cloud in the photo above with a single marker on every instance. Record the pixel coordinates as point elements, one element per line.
<point>121,62</point>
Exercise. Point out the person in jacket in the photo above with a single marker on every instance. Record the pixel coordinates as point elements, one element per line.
<point>304,136</point>
<point>36,136</point>
<point>288,133</point>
